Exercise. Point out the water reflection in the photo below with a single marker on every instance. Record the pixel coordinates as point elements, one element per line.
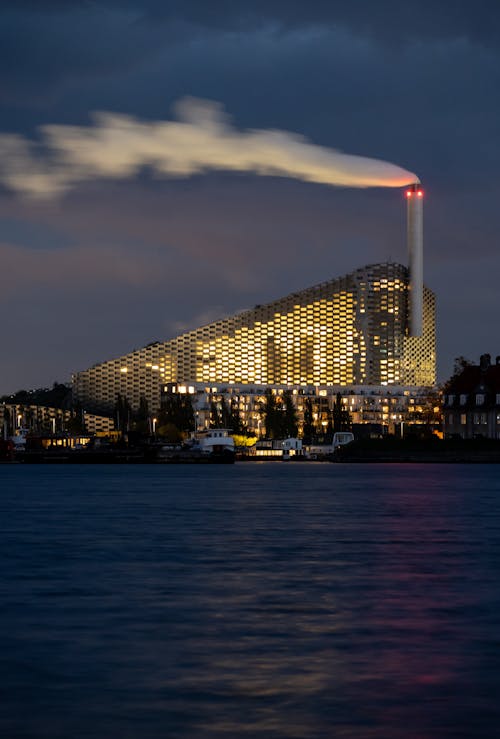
<point>311,601</point>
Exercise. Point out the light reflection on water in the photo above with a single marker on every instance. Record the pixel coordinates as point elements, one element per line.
<point>260,600</point>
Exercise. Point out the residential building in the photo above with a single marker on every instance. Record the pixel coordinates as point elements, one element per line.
<point>385,409</point>
<point>471,402</point>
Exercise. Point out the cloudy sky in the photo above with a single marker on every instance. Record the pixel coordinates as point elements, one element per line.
<point>103,253</point>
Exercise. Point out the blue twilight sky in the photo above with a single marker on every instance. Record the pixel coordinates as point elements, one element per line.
<point>113,263</point>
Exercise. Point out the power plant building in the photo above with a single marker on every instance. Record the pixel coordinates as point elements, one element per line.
<point>345,332</point>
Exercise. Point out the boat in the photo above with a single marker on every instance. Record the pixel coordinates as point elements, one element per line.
<point>207,446</point>
<point>213,445</point>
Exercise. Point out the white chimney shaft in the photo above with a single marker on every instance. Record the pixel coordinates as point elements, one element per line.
<point>415,238</point>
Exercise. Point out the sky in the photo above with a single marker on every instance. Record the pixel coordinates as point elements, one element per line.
<point>107,244</point>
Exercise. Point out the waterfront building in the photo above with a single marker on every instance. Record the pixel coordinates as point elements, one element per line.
<point>471,401</point>
<point>15,417</point>
<point>377,408</point>
<point>342,333</point>
<point>30,418</point>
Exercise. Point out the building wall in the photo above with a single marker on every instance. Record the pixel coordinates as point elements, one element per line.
<point>473,421</point>
<point>393,408</point>
<point>346,331</point>
<point>471,402</point>
<point>33,417</point>
<point>37,418</point>
<point>98,424</point>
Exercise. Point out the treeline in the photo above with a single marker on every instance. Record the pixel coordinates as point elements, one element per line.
<point>278,415</point>
<point>177,416</point>
<point>58,396</point>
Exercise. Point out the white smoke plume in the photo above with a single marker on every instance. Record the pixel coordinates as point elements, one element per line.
<point>201,139</point>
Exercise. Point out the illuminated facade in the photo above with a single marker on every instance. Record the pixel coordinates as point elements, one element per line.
<point>382,408</point>
<point>350,331</point>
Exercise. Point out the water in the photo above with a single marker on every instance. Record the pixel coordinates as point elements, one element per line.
<point>263,600</point>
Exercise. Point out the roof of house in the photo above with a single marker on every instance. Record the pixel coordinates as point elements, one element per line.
<point>474,378</point>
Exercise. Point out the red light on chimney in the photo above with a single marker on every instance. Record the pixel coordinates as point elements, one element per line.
<point>420,193</point>
<point>408,193</point>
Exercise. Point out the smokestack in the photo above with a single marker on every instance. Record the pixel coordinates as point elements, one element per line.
<point>415,219</point>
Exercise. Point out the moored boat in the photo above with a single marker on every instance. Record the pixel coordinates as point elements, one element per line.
<point>208,446</point>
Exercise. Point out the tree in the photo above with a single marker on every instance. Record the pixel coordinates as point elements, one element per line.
<point>76,423</point>
<point>280,416</point>
<point>330,424</point>
<point>289,423</point>
<point>270,414</point>
<point>341,418</point>
<point>220,414</point>
<point>59,396</point>
<point>215,416</point>
<point>225,414</point>
<point>459,364</point>
<point>170,432</point>
<point>308,428</point>
<point>177,410</point>
<point>142,421</point>
<point>7,421</point>
<point>235,422</point>
<point>123,413</point>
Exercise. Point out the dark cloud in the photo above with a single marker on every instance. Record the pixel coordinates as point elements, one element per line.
<point>388,19</point>
<point>42,52</point>
<point>114,265</point>
<point>46,47</point>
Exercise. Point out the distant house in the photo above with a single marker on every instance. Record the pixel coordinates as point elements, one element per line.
<point>471,401</point>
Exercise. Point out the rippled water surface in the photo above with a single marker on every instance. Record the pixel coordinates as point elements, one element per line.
<point>255,600</point>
